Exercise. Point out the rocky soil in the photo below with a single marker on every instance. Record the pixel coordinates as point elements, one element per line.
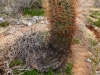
<point>85,54</point>
<point>80,53</point>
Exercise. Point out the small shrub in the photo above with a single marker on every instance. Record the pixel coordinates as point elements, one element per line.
<point>15,72</point>
<point>35,72</point>
<point>32,72</point>
<point>33,12</point>
<point>50,72</point>
<point>95,58</point>
<point>94,43</point>
<point>97,23</point>
<point>4,24</point>
<point>11,64</point>
<point>95,15</point>
<point>15,62</point>
<point>69,68</point>
<point>75,40</point>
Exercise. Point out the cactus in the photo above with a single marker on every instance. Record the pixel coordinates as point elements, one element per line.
<point>38,52</point>
<point>61,15</point>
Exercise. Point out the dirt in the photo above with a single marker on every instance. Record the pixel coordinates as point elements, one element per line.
<point>79,56</point>
<point>79,51</point>
<point>10,37</point>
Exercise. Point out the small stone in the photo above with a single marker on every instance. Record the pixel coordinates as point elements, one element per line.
<point>33,21</point>
<point>41,18</point>
<point>42,22</point>
<point>29,24</point>
<point>24,22</point>
<point>99,64</point>
<point>2,20</point>
<point>36,18</point>
<point>17,21</point>
<point>97,73</point>
<point>89,60</point>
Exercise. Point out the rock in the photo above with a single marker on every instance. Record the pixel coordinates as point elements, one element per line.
<point>25,22</point>
<point>34,21</point>
<point>17,21</point>
<point>97,73</point>
<point>99,64</point>
<point>36,18</point>
<point>41,18</point>
<point>30,23</point>
<point>42,22</point>
<point>89,60</point>
<point>2,20</point>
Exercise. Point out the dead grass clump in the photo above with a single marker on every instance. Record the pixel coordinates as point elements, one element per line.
<point>34,50</point>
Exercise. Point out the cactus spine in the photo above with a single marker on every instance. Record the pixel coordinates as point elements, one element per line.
<point>61,16</point>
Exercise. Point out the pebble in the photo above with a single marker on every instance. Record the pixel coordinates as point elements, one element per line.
<point>29,24</point>
<point>99,64</point>
<point>2,20</point>
<point>36,18</point>
<point>33,21</point>
<point>97,73</point>
<point>89,60</point>
<point>42,22</point>
<point>28,21</point>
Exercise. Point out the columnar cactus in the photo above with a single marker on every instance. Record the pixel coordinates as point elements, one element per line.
<point>34,49</point>
<point>61,16</point>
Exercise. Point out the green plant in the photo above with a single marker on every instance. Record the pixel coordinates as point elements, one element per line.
<point>96,13</point>
<point>95,59</point>
<point>50,72</point>
<point>96,16</point>
<point>69,68</point>
<point>94,43</point>
<point>33,12</point>
<point>36,72</point>
<point>62,16</point>
<point>11,64</point>
<point>15,62</point>
<point>76,40</point>
<point>97,23</point>
<point>4,24</point>
<point>15,72</point>
<point>32,72</point>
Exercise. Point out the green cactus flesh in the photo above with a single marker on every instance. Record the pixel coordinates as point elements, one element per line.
<point>61,15</point>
